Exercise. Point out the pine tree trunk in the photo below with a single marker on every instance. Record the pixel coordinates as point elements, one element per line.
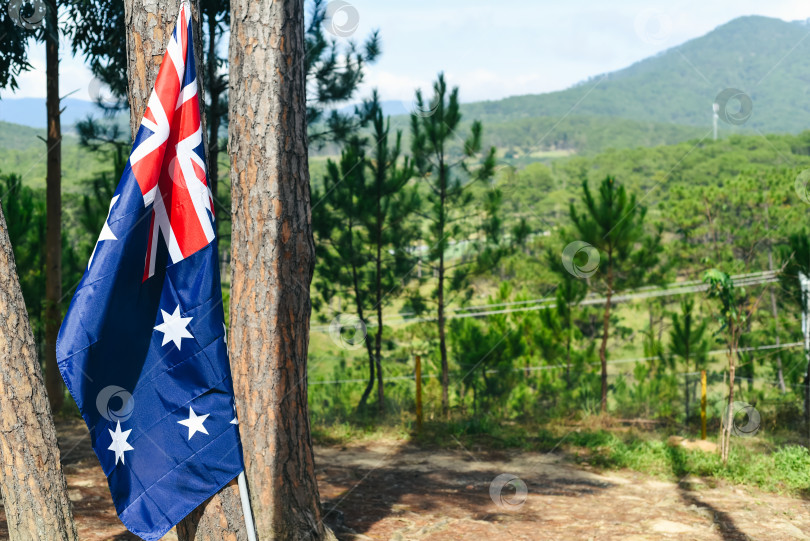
<point>686,389</point>
<point>149,24</point>
<point>214,120</point>
<point>272,264</point>
<point>378,288</point>
<point>31,482</point>
<point>358,298</point>
<point>440,289</point>
<point>53,201</point>
<point>606,330</point>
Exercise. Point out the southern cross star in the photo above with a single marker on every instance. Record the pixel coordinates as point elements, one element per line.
<point>194,423</point>
<point>174,327</point>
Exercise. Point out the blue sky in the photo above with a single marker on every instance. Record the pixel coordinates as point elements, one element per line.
<point>493,49</point>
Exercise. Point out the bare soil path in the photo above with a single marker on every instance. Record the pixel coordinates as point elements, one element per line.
<point>391,490</point>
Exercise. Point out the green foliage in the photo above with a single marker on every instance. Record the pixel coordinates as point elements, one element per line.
<point>334,73</point>
<point>13,52</point>
<point>614,224</point>
<point>97,33</point>
<point>786,469</point>
<point>721,287</point>
<point>448,173</point>
<point>25,217</point>
<point>486,351</point>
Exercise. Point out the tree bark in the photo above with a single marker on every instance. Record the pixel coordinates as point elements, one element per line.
<point>53,202</point>
<point>272,265</point>
<point>149,24</point>
<point>31,481</point>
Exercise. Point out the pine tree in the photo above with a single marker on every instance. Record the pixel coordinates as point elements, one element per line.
<point>343,256</point>
<point>614,224</point>
<point>273,260</point>
<point>688,343</point>
<point>448,172</point>
<point>390,229</point>
<point>795,256</point>
<point>53,198</point>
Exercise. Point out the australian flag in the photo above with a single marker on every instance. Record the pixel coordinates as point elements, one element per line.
<point>142,348</point>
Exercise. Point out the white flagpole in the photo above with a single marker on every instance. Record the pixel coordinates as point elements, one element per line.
<point>243,495</point>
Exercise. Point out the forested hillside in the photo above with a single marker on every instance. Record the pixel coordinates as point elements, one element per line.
<point>677,86</point>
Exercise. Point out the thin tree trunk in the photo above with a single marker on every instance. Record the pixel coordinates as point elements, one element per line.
<point>31,481</point>
<point>780,378</point>
<point>568,350</point>
<point>359,302</point>
<point>686,388</point>
<point>213,120</point>
<point>378,288</point>
<point>149,24</point>
<point>688,353</point>
<point>732,353</point>
<point>807,401</point>
<point>53,198</point>
<point>442,337</point>
<point>272,264</point>
<point>605,331</point>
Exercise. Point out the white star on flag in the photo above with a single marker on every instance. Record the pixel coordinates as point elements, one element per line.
<point>119,443</point>
<point>106,232</point>
<point>174,327</point>
<point>194,423</point>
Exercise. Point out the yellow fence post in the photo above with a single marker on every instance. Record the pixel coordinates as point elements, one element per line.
<point>703,404</point>
<point>418,393</point>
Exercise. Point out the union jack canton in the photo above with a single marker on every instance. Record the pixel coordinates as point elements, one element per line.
<point>142,348</point>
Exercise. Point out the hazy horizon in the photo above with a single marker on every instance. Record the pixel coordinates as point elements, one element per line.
<point>491,52</point>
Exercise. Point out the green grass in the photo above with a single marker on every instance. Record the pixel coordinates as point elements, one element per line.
<point>761,462</point>
<point>785,469</point>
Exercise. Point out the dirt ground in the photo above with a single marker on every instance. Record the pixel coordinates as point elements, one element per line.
<point>390,490</point>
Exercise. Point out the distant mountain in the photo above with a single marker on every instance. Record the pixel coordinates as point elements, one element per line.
<point>663,99</point>
<point>31,111</point>
<point>768,59</point>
